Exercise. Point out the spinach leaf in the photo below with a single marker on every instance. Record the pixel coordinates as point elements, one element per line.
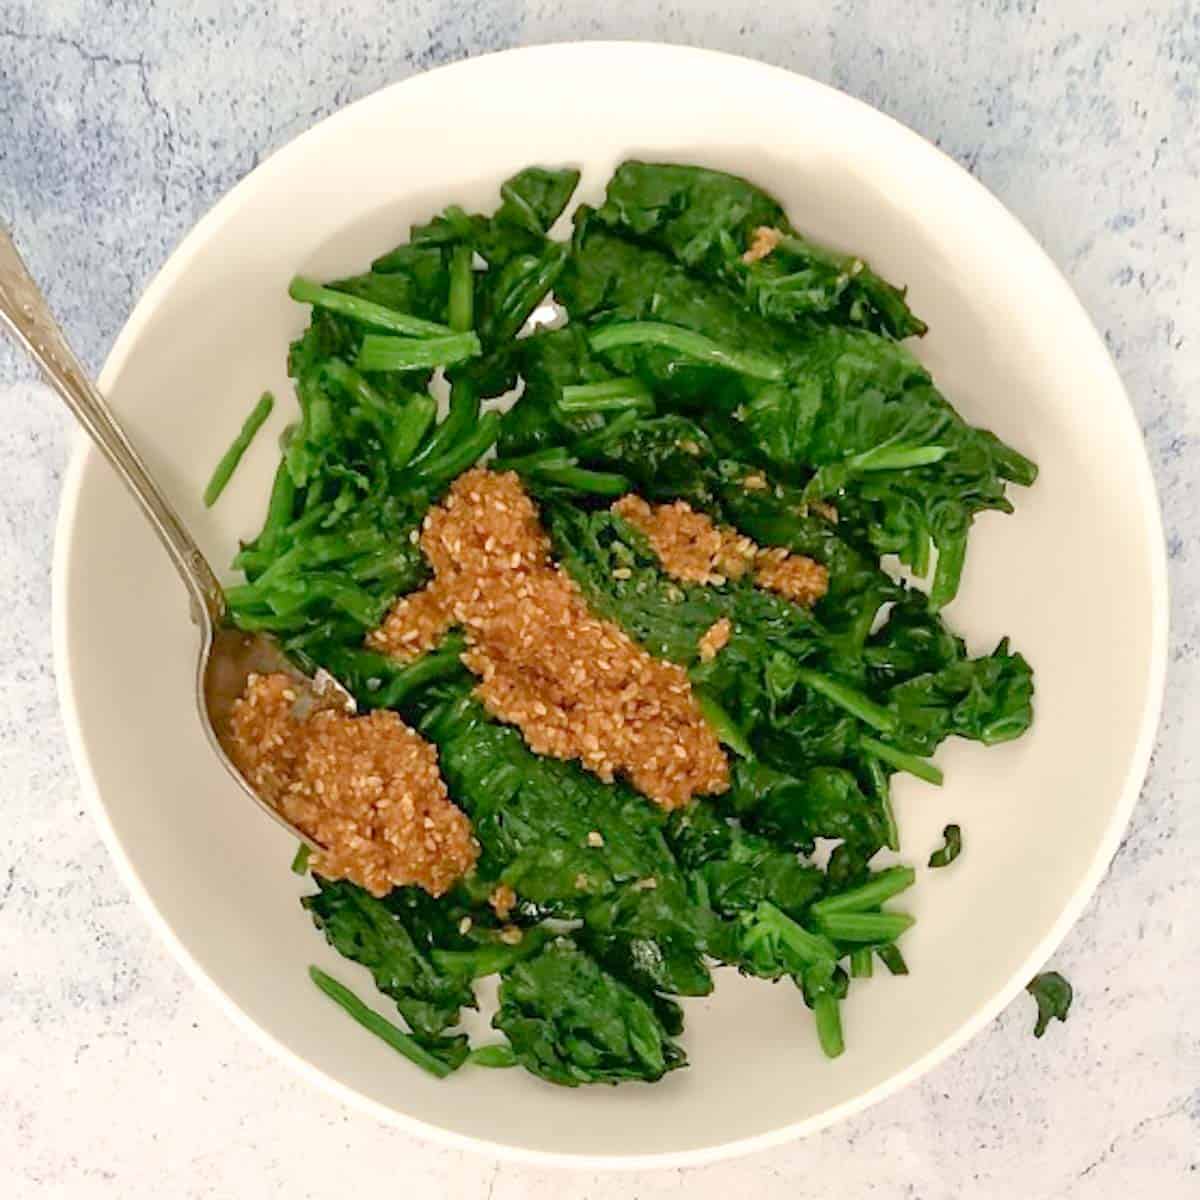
<point>653,936</point>
<point>943,857</point>
<point>731,870</point>
<point>988,700</point>
<point>1053,995</point>
<point>796,809</point>
<point>535,198</point>
<point>523,264</point>
<point>571,1022</point>
<point>706,220</point>
<point>556,834</point>
<point>377,935</point>
<point>411,279</point>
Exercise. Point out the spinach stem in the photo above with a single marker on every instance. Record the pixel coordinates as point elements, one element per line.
<point>551,456</point>
<point>366,312</point>
<point>891,958</point>
<point>382,1028</point>
<point>382,353</point>
<point>230,459</point>
<point>877,890</point>
<point>862,962</point>
<point>914,764</point>
<point>279,508</point>
<point>827,1012</point>
<point>612,395</point>
<point>462,290</point>
<point>459,457</point>
<point>864,926</point>
<point>690,344</point>
<point>620,425</point>
<point>722,724</point>
<point>596,483</point>
<point>463,413</point>
<point>852,700</point>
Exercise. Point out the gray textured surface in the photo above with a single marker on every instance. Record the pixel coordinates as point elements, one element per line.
<point>121,121</point>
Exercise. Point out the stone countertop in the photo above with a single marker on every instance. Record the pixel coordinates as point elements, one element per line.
<point>121,122</point>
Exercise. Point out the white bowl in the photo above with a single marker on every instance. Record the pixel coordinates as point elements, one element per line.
<point>1076,576</point>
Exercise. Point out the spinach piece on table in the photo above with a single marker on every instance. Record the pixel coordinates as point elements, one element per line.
<point>1053,995</point>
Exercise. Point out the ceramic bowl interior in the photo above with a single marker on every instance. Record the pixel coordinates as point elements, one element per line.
<point>1076,577</point>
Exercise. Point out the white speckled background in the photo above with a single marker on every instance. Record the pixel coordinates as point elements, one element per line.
<point>121,121</point>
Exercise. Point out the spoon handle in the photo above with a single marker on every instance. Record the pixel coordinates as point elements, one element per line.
<point>24,310</point>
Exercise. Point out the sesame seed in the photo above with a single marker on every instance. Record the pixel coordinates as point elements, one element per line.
<point>575,685</point>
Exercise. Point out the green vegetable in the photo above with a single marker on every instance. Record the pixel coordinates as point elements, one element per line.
<point>457,458</point>
<point>771,395</point>
<point>706,220</point>
<point>369,932</point>
<point>533,815</point>
<point>733,870</point>
<point>535,197</point>
<point>773,944</point>
<point>881,888</point>
<point>612,394</point>
<point>850,412</point>
<point>823,986</point>
<point>891,958</point>
<point>491,957</point>
<point>300,861</point>
<point>495,1055</point>
<point>364,311</point>
<point>229,460</point>
<point>381,353</point>
<point>570,1022</point>
<point>944,856</point>
<point>461,419</point>
<point>902,761</point>
<point>383,1029</point>
<point>873,927</point>
<point>462,290</point>
<point>1053,995</point>
<point>690,345</point>
<point>596,483</point>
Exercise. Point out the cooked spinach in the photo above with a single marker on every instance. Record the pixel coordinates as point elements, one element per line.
<point>371,932</point>
<point>571,1022</point>
<point>707,221</point>
<point>847,413</point>
<point>767,390</point>
<point>946,854</point>
<point>1053,995</point>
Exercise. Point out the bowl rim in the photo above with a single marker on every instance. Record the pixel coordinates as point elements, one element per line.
<point>180,259</point>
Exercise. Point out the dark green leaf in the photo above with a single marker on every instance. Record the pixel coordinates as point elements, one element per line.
<point>1053,995</point>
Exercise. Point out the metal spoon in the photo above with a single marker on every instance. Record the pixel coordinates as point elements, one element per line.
<point>227,656</point>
